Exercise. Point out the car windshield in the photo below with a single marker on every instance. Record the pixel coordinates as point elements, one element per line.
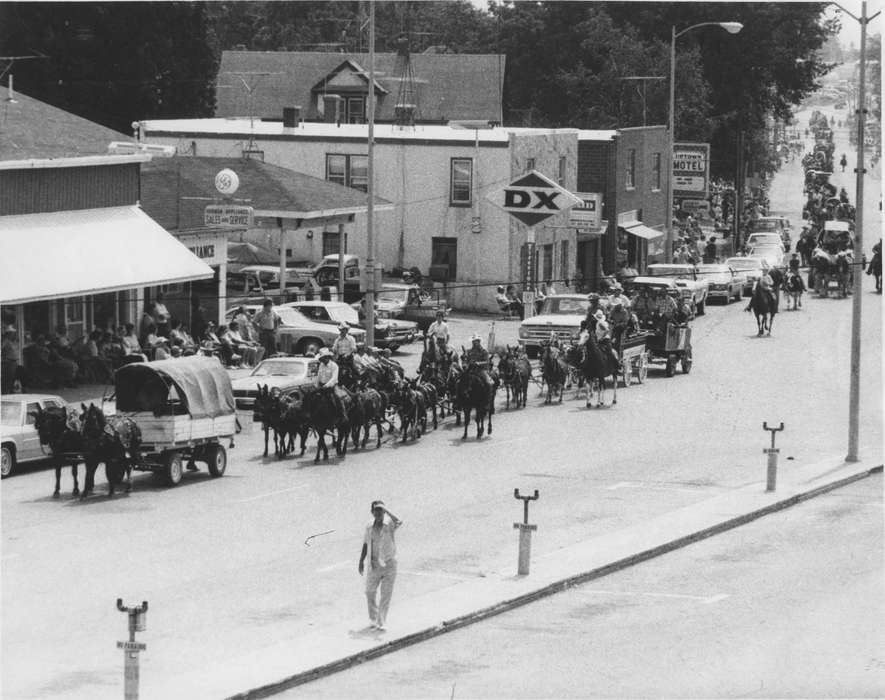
<point>391,295</point>
<point>344,313</point>
<point>767,225</point>
<point>714,269</point>
<point>11,412</point>
<point>677,271</point>
<point>743,264</point>
<point>285,368</point>
<point>773,239</point>
<point>565,305</point>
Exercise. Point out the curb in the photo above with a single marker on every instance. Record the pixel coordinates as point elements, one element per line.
<point>346,662</point>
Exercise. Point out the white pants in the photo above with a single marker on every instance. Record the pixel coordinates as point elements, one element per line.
<point>383,577</point>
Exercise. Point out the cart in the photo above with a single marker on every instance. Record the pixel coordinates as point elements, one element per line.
<point>184,407</point>
<point>634,358</point>
<point>673,346</point>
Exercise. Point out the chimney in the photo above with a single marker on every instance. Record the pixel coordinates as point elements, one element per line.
<point>331,108</point>
<point>291,117</point>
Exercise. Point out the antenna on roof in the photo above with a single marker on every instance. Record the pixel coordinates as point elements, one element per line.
<point>251,150</point>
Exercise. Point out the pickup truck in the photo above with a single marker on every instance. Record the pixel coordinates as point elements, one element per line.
<point>694,286</point>
<point>410,303</point>
<point>325,274</point>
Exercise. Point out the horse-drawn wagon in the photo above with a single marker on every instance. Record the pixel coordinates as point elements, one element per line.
<point>183,407</point>
<point>634,358</point>
<point>832,260</point>
<point>671,345</point>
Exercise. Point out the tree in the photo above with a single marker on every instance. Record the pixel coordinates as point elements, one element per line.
<point>114,63</point>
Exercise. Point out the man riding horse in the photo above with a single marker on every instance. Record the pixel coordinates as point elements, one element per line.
<point>478,360</point>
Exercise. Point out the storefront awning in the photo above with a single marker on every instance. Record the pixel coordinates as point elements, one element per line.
<point>90,251</point>
<point>637,228</point>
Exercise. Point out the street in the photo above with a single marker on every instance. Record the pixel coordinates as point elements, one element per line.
<point>788,606</point>
<point>271,549</point>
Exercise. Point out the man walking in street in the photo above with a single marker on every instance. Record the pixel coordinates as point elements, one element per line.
<point>379,544</point>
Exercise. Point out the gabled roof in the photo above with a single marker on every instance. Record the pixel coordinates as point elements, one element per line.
<point>270,189</point>
<point>355,69</point>
<point>30,128</point>
<point>448,86</point>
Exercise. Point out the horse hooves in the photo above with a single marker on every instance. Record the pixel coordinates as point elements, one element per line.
<point>55,494</point>
<point>76,491</point>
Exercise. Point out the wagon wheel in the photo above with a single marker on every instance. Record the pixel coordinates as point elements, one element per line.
<point>626,372</point>
<point>172,467</point>
<point>216,459</point>
<point>642,368</point>
<point>686,360</point>
<point>671,365</point>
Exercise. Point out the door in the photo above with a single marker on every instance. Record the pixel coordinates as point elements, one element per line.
<point>30,439</point>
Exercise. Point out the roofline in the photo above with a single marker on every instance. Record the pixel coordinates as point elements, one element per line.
<point>320,213</point>
<point>326,139</point>
<point>74,161</point>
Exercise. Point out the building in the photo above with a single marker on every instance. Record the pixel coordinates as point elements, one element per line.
<point>429,88</point>
<point>627,168</point>
<point>76,250</point>
<point>437,179</point>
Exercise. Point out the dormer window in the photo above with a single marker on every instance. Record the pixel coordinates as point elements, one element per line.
<point>348,84</point>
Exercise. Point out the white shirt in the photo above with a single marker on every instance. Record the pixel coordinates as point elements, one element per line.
<point>601,329</point>
<point>381,545</point>
<point>439,329</point>
<point>327,374</point>
<point>344,346</point>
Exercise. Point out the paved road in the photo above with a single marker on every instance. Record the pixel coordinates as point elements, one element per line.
<point>788,606</point>
<point>225,565</point>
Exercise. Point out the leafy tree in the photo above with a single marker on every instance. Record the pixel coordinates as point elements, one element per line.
<point>114,62</point>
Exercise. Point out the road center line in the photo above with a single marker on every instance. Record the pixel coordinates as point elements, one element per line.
<point>268,494</point>
<point>682,596</point>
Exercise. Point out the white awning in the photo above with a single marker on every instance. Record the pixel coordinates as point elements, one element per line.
<point>637,228</point>
<point>90,251</point>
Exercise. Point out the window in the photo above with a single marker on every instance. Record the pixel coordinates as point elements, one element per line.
<point>631,169</point>
<point>563,260</point>
<point>461,194</point>
<point>547,262</point>
<point>444,252</point>
<point>348,170</point>
<point>656,172</point>
<point>529,164</point>
<point>355,110</point>
<point>561,178</point>
<point>30,410</point>
<point>332,242</point>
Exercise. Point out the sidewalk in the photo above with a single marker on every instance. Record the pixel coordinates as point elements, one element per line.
<point>308,654</point>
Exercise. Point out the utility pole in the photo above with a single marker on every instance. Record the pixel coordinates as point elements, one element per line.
<point>370,214</point>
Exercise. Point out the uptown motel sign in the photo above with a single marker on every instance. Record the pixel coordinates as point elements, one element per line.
<point>532,197</point>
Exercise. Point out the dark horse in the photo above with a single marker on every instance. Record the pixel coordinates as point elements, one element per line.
<point>114,440</point>
<point>596,365</point>
<point>322,415</point>
<point>472,393</point>
<point>267,410</point>
<point>764,305</point>
<point>369,407</point>
<point>61,431</point>
<point>516,371</point>
<point>554,371</point>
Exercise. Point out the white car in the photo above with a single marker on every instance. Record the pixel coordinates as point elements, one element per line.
<point>764,238</point>
<point>723,282</point>
<point>19,441</point>
<point>282,373</point>
<point>298,334</point>
<point>748,270</point>
<point>694,287</point>
<point>771,254</point>
<point>561,314</point>
<point>389,332</point>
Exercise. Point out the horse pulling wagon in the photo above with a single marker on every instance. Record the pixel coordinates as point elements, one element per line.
<point>672,346</point>
<point>183,408</point>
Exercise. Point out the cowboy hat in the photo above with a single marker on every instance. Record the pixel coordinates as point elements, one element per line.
<point>599,315</point>
<point>324,352</point>
<point>343,326</point>
<point>476,336</point>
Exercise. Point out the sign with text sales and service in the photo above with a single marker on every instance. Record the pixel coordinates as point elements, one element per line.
<point>533,197</point>
<point>233,215</point>
<point>691,170</point>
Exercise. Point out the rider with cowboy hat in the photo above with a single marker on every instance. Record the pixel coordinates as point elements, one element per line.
<point>478,359</point>
<point>327,379</point>
<point>345,344</point>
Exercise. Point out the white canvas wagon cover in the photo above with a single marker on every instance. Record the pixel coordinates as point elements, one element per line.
<point>202,384</point>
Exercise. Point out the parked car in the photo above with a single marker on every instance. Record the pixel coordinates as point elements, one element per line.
<point>691,285</point>
<point>325,274</point>
<point>410,303</point>
<point>775,224</point>
<point>283,373</point>
<point>723,282</point>
<point>389,332</point>
<point>560,313</point>
<point>19,441</point>
<point>299,335</point>
<point>762,238</point>
<point>772,254</point>
<point>748,270</point>
<point>259,281</point>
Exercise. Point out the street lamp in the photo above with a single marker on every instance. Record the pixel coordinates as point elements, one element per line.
<point>731,28</point>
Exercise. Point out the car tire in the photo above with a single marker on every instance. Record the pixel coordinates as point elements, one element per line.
<point>393,347</point>
<point>308,345</point>
<point>7,460</point>
<point>216,459</point>
<point>173,470</point>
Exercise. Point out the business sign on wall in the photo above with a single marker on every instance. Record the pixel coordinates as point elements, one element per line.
<point>588,215</point>
<point>691,170</point>
<point>211,248</point>
<point>533,197</point>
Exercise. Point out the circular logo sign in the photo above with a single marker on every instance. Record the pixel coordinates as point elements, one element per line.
<point>227,181</point>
